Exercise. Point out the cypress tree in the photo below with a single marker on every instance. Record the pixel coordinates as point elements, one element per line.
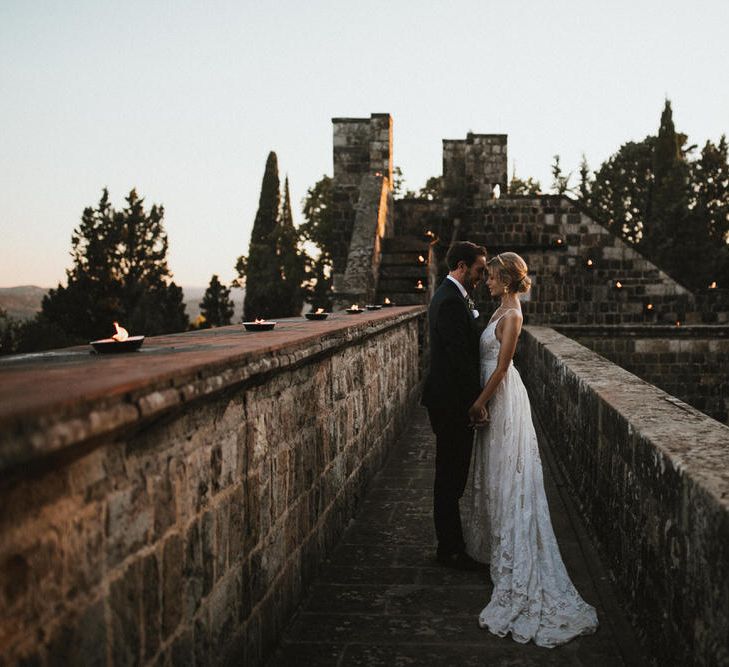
<point>673,239</point>
<point>216,306</point>
<point>259,269</point>
<point>292,263</point>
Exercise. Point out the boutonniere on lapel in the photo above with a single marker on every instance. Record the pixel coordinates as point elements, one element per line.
<point>472,307</point>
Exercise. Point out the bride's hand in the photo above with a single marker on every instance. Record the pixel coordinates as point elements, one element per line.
<point>478,414</point>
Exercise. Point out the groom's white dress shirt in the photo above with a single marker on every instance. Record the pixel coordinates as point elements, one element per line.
<point>460,287</point>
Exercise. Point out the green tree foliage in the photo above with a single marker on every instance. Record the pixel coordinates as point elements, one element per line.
<point>274,272</point>
<point>216,305</point>
<point>119,273</point>
<point>672,233</point>
<point>620,192</point>
<point>291,261</point>
<point>560,182</point>
<point>584,188</point>
<point>520,186</point>
<point>9,333</point>
<point>260,273</point>
<point>709,211</point>
<point>675,210</point>
<point>321,281</point>
<point>318,225</point>
<point>318,229</point>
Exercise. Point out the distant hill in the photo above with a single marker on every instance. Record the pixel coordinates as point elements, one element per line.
<point>24,301</point>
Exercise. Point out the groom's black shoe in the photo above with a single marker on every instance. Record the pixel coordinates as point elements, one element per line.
<point>460,561</point>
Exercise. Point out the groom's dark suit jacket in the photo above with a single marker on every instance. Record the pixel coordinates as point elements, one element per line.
<point>453,380</point>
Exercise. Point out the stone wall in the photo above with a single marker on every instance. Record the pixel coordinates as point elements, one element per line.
<point>651,475</point>
<point>688,362</point>
<point>582,273</point>
<point>170,506</point>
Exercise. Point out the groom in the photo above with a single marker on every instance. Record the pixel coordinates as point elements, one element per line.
<point>450,389</point>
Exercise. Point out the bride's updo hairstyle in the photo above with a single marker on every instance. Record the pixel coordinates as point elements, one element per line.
<point>511,270</point>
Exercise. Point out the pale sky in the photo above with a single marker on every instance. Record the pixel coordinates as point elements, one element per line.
<point>183,100</point>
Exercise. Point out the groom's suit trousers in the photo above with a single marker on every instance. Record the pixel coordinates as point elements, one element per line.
<point>453,444</point>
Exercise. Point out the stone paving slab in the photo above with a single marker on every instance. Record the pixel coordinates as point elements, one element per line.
<point>382,598</point>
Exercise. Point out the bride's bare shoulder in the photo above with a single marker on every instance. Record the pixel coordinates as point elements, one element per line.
<point>514,315</point>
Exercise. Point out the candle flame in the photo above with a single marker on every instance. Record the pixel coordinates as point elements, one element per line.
<point>419,285</point>
<point>713,284</point>
<point>421,259</point>
<point>618,284</point>
<point>649,306</point>
<point>319,311</point>
<point>678,323</point>
<point>258,321</point>
<point>589,262</point>
<point>559,241</point>
<point>354,307</point>
<point>121,333</point>
<point>387,300</point>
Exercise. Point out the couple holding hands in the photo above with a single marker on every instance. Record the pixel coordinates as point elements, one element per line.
<point>486,444</point>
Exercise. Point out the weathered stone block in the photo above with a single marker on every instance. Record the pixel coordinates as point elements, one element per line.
<point>172,584</point>
<point>151,607</point>
<point>82,641</point>
<point>125,598</point>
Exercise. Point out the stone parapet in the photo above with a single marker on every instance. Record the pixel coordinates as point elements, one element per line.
<point>184,496</point>
<point>651,475</point>
<point>688,362</point>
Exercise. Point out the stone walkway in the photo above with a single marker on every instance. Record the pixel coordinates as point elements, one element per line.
<point>382,599</point>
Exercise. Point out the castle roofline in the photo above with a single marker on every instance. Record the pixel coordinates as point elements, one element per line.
<point>340,119</point>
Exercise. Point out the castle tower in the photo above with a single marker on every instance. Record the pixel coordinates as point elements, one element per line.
<point>362,147</point>
<point>473,166</point>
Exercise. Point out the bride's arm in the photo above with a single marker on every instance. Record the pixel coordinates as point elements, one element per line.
<point>511,328</point>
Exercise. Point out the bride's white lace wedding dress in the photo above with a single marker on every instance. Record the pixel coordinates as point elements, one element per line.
<point>507,521</point>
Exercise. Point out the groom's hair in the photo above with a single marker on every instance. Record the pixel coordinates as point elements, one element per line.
<point>464,251</point>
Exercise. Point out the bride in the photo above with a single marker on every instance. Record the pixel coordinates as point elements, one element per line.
<point>509,524</point>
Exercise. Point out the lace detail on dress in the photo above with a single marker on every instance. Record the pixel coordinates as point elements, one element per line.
<point>507,522</point>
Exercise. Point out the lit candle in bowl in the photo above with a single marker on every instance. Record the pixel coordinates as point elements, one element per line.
<point>318,314</point>
<point>387,303</point>
<point>354,308</point>
<point>259,325</point>
<point>121,341</point>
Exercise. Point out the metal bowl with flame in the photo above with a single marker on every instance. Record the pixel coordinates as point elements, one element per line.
<point>259,325</point>
<point>121,341</point>
<point>318,314</point>
<point>354,309</point>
